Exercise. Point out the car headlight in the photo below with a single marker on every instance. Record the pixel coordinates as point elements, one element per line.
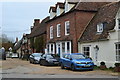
<point>78,62</point>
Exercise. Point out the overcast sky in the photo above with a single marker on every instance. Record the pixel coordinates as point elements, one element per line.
<point>17,17</point>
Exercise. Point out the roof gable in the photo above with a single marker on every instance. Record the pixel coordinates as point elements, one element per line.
<point>106,14</point>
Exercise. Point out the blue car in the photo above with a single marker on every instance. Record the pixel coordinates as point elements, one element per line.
<point>76,61</point>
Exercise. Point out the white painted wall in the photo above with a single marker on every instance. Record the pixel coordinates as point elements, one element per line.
<point>106,51</point>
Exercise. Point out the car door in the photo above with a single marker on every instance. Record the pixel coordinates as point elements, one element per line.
<point>68,61</point>
<point>43,59</point>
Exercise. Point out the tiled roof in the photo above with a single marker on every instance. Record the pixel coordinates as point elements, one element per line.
<point>84,6</point>
<point>106,15</point>
<point>41,29</point>
<point>89,6</point>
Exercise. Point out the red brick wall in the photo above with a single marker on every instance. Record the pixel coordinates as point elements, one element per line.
<point>78,21</point>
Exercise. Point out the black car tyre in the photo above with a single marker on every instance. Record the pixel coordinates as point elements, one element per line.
<point>62,66</point>
<point>90,69</point>
<point>45,63</point>
<point>72,67</point>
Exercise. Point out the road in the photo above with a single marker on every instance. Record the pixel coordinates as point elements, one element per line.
<point>16,68</point>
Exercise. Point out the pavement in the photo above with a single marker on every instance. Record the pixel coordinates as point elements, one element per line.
<point>16,68</point>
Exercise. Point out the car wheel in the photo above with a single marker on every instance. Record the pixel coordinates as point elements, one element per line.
<point>72,67</point>
<point>62,66</point>
<point>90,69</point>
<point>45,63</point>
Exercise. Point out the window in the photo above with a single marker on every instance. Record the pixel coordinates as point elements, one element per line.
<point>51,48</point>
<point>67,28</point>
<point>51,32</point>
<point>100,27</point>
<point>63,47</point>
<point>86,50</point>
<point>118,52</point>
<point>68,47</point>
<point>119,24</point>
<point>58,30</point>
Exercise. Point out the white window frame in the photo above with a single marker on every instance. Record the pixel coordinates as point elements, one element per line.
<point>50,51</point>
<point>51,32</point>
<point>86,51</point>
<point>100,27</point>
<point>58,30</point>
<point>117,52</point>
<point>66,23</point>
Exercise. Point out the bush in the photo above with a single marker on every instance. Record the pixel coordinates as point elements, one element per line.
<point>111,68</point>
<point>102,63</point>
<point>117,64</point>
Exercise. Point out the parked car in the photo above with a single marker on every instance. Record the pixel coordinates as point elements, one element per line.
<point>49,59</point>
<point>15,55</point>
<point>35,57</point>
<point>76,61</point>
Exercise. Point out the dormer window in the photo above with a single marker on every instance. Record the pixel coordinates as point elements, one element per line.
<point>69,5</point>
<point>52,12</point>
<point>66,7</point>
<point>60,8</point>
<point>58,11</point>
<point>100,27</point>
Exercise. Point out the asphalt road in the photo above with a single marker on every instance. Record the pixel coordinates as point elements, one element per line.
<point>16,68</point>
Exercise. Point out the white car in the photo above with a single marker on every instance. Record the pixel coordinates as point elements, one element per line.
<point>14,55</point>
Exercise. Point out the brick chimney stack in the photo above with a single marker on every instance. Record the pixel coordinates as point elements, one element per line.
<point>36,22</point>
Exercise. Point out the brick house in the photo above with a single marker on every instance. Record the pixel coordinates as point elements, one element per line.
<point>37,37</point>
<point>101,38</point>
<point>67,23</point>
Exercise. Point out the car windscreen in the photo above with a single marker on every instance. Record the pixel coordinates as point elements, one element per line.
<point>50,57</point>
<point>37,55</point>
<point>78,56</point>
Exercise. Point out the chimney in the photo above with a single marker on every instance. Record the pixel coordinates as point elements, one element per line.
<point>36,22</point>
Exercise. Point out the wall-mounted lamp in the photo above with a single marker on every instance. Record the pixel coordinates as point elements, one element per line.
<point>96,47</point>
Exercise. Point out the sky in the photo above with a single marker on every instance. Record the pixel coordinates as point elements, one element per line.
<point>18,16</point>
